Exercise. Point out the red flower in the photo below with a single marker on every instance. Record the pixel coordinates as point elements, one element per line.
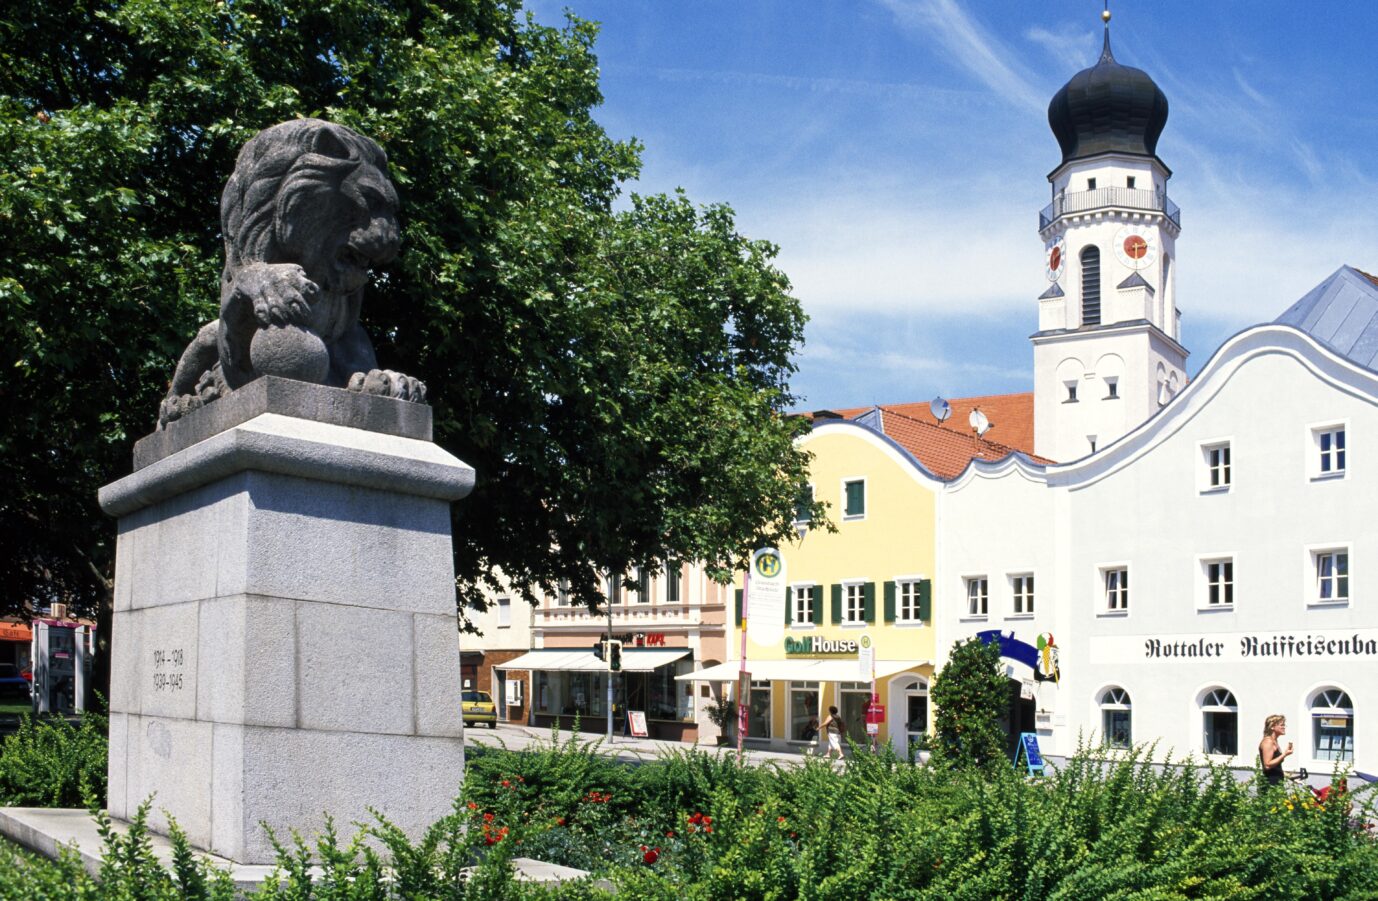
<point>707,828</point>
<point>707,821</point>
<point>651,856</point>
<point>794,835</point>
<point>473,806</point>
<point>778,819</point>
<point>491,840</point>
<point>559,821</point>
<point>670,834</point>
<point>696,818</point>
<point>488,818</point>
<point>521,778</point>
<point>506,783</point>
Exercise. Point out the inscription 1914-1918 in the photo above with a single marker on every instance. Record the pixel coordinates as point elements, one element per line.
<point>167,670</point>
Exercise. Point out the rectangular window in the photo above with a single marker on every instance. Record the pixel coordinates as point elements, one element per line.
<point>1117,590</point>
<point>674,580</point>
<point>1129,182</point>
<point>854,603</point>
<point>909,609</point>
<point>758,710</point>
<point>1217,458</point>
<point>504,612</point>
<point>1071,392</point>
<point>978,596</point>
<point>1090,184</point>
<point>802,504</point>
<point>1332,577</point>
<point>614,590</point>
<point>804,597</point>
<point>1219,583</point>
<point>562,593</point>
<point>1330,445</point>
<point>855,493</point>
<point>1112,389</point>
<point>803,711</point>
<point>643,586</point>
<point>1023,590</point>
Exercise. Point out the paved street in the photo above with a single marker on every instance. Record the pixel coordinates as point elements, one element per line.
<point>517,737</point>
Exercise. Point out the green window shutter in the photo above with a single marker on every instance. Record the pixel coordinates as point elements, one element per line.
<point>739,606</point>
<point>889,602</point>
<point>817,610</point>
<point>868,601</point>
<point>926,600</point>
<point>837,604</point>
<point>789,605</point>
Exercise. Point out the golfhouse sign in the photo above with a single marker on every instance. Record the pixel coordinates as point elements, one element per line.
<point>814,645</point>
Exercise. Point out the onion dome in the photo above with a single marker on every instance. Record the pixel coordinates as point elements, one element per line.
<point>1108,108</point>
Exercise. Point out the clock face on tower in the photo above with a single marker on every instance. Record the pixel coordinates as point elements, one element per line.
<point>1136,246</point>
<point>1055,258</point>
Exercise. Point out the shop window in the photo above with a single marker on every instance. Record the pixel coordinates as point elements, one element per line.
<point>1329,452</point>
<point>504,613</point>
<point>854,496</point>
<point>758,711</point>
<point>1219,583</point>
<point>665,699</point>
<point>852,700</point>
<point>1116,582</point>
<point>854,603</point>
<point>804,604</point>
<point>1022,588</point>
<point>1332,726</point>
<point>1220,722</point>
<point>568,694</point>
<point>804,699</point>
<point>1116,722</point>
<point>978,596</point>
<point>1216,460</point>
<point>1332,576</point>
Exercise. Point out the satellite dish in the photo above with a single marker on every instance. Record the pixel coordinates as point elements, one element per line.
<point>940,409</point>
<point>979,423</point>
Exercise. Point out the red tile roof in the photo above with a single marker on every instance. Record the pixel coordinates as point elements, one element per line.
<point>945,449</point>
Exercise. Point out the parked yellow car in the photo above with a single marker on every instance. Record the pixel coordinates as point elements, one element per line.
<point>478,707</point>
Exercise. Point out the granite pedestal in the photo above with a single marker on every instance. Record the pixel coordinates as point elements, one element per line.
<point>284,641</point>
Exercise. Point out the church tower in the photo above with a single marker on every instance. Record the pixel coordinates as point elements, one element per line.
<point>1107,353</point>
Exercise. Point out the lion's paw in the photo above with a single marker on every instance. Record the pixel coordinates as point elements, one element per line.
<point>386,383</point>
<point>281,293</point>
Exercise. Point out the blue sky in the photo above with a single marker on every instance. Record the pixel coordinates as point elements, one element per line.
<point>897,151</point>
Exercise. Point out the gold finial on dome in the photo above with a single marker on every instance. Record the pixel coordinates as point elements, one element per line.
<point>1105,13</point>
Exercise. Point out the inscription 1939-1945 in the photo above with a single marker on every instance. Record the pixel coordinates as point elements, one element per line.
<point>167,670</point>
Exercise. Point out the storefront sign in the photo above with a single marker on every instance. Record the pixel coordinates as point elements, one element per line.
<point>765,597</point>
<point>652,639</point>
<point>812,644</point>
<point>1327,644</point>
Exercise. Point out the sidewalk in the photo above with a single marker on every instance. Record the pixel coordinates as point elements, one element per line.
<point>516,737</point>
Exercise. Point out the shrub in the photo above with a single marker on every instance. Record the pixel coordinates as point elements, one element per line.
<point>970,694</point>
<point>51,763</point>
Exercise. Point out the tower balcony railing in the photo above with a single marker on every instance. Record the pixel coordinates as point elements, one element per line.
<point>1109,198</point>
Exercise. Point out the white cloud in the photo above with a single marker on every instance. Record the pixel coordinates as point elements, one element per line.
<point>1071,47</point>
<point>984,56</point>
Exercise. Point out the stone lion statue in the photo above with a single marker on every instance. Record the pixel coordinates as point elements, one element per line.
<point>308,210</point>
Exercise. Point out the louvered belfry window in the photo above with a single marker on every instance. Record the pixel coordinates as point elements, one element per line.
<point>1090,286</point>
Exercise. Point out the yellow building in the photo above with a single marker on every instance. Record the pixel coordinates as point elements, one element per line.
<point>880,472</point>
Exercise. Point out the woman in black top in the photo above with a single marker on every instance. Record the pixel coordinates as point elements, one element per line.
<point>1269,753</point>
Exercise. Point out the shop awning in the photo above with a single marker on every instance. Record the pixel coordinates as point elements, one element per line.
<point>813,670</point>
<point>15,632</point>
<point>634,660</point>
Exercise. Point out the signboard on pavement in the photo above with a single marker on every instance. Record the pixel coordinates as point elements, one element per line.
<point>765,597</point>
<point>636,721</point>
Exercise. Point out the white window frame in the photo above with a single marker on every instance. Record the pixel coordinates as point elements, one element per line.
<point>794,620</point>
<point>1114,698</point>
<point>1014,580</point>
<point>860,621</point>
<point>1330,694</point>
<point>913,582</point>
<point>812,492</point>
<point>1314,555</point>
<point>1208,469</point>
<point>1204,562</point>
<point>1212,693</point>
<point>800,687</point>
<point>968,583</point>
<point>504,605</point>
<point>1103,588</point>
<point>865,499</point>
<point>1315,456</point>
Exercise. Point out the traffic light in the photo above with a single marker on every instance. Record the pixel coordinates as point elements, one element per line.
<point>598,649</point>
<point>616,648</point>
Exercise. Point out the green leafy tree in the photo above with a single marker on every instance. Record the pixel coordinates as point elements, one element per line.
<point>970,694</point>
<point>615,374</point>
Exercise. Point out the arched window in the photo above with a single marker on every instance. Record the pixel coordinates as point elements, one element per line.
<point>1090,286</point>
<point>1220,722</point>
<point>1332,725</point>
<point>1116,723</point>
